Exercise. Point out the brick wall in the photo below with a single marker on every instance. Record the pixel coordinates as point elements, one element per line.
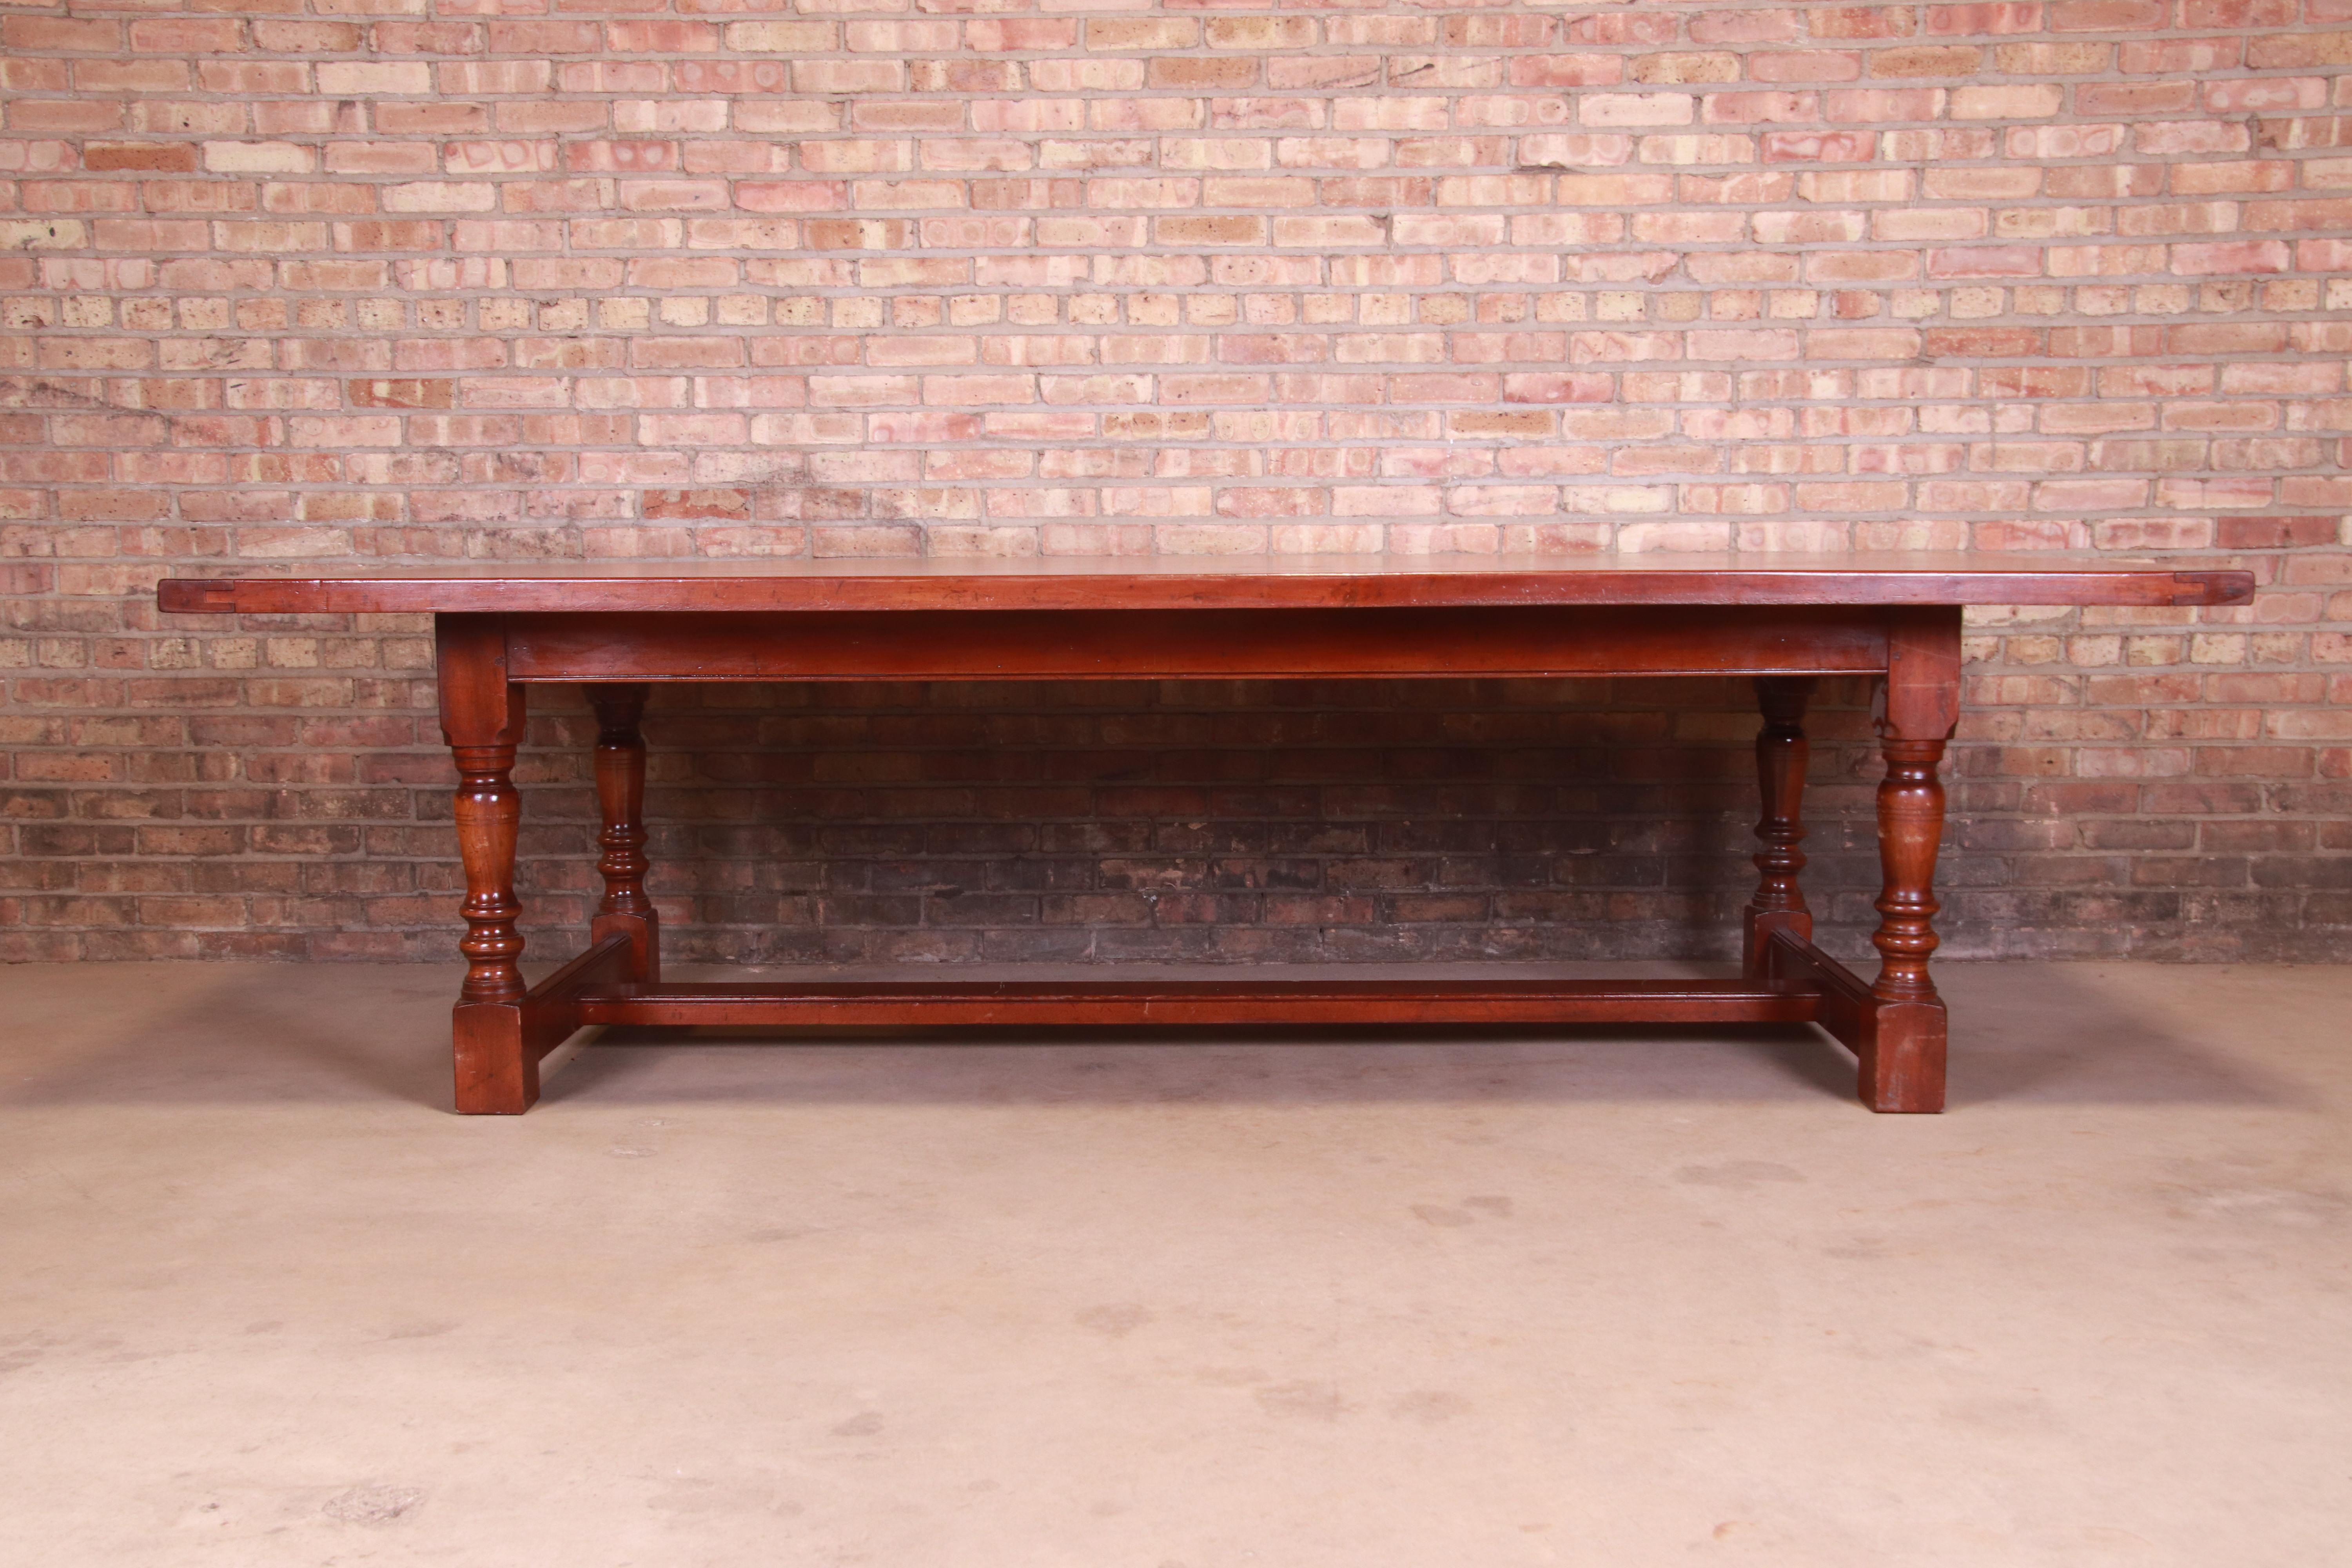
<point>329,279</point>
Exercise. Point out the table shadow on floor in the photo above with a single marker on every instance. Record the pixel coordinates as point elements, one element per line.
<point>242,1035</point>
<point>1146,1065</point>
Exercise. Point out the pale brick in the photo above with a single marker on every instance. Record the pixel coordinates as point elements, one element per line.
<point>352,79</point>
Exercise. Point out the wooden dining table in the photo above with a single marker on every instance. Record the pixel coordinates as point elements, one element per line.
<point>1784,620</point>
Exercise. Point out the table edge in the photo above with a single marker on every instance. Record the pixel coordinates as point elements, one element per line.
<point>2152,585</point>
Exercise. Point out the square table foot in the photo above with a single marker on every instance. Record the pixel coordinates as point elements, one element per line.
<point>496,1074</point>
<point>1899,1045</point>
<point>498,1045</point>
<point>1902,1063</point>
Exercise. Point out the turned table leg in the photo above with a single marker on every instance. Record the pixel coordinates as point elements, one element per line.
<point>482,719</point>
<point>1782,753</point>
<point>621,799</point>
<point>1903,1064</point>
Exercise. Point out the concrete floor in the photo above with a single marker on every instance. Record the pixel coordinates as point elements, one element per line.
<point>1609,1298</point>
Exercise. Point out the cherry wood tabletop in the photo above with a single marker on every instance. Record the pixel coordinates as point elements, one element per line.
<point>1157,582</point>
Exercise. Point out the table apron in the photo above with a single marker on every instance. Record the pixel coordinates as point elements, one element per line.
<point>997,645</point>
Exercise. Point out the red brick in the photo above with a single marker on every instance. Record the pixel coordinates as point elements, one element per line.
<point>43,35</point>
<point>178,157</point>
